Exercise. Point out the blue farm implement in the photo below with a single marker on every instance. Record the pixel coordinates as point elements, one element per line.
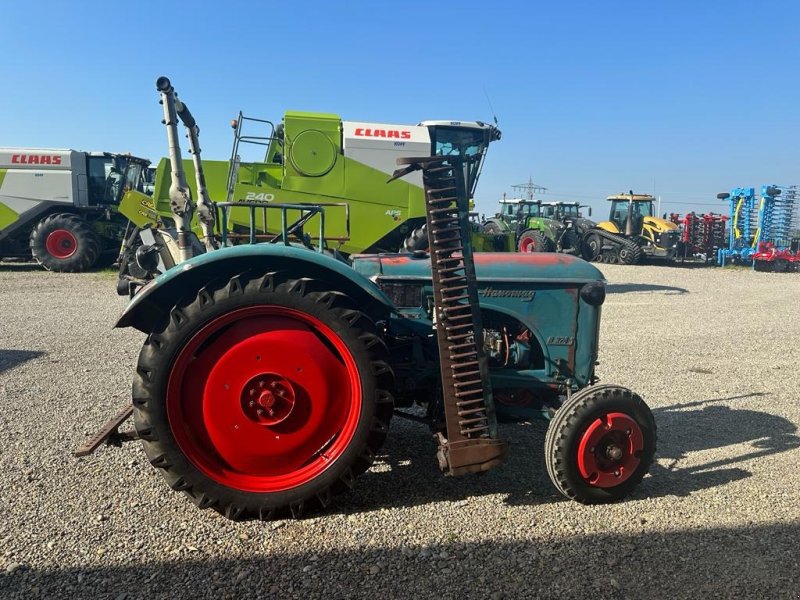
<point>742,202</point>
<point>776,248</point>
<point>762,230</point>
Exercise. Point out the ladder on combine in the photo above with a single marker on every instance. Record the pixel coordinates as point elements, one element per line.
<point>470,444</point>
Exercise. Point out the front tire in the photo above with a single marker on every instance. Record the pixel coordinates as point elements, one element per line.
<point>600,444</point>
<point>64,243</point>
<point>591,247</point>
<point>533,240</point>
<point>630,253</point>
<point>263,395</point>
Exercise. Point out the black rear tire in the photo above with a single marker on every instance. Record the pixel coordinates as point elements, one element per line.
<point>65,243</point>
<point>579,423</point>
<point>189,465</point>
<point>417,240</point>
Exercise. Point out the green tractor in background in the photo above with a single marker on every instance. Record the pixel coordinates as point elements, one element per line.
<point>542,226</point>
<point>574,226</point>
<point>532,232</point>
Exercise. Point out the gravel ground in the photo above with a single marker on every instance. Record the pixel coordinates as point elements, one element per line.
<point>714,352</point>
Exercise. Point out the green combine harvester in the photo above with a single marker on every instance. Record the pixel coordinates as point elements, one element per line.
<point>309,159</point>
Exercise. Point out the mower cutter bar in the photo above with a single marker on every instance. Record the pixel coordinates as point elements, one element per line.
<point>470,444</point>
<point>109,433</point>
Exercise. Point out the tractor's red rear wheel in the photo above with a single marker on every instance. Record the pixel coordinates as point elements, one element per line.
<point>278,395</point>
<point>264,398</point>
<point>600,444</point>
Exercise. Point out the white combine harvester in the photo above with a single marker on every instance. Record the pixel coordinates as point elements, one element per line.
<point>60,206</point>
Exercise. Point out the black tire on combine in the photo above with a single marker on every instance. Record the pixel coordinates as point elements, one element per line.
<point>591,247</point>
<point>263,395</point>
<point>417,240</point>
<point>533,240</point>
<point>600,444</point>
<point>65,243</point>
<point>629,253</point>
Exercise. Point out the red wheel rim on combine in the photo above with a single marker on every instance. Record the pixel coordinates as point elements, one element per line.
<point>61,243</point>
<point>609,450</point>
<point>264,398</point>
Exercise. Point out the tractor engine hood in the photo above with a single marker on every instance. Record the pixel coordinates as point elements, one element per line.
<point>489,266</point>
<point>660,224</point>
<point>582,223</point>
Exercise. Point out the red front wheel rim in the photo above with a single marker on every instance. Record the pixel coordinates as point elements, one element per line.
<point>61,243</point>
<point>264,398</point>
<point>609,450</point>
<point>527,245</point>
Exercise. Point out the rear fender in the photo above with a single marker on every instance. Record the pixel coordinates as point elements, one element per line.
<point>184,281</point>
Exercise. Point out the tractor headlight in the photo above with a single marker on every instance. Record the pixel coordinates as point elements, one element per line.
<point>594,293</point>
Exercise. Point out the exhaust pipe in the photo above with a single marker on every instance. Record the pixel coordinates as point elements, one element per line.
<point>180,197</point>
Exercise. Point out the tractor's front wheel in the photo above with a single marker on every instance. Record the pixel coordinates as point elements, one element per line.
<point>591,247</point>
<point>533,240</point>
<point>629,253</point>
<point>600,444</point>
<point>263,395</point>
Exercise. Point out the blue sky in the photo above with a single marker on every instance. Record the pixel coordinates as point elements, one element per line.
<point>684,98</point>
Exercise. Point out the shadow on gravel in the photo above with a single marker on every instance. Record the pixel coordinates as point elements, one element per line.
<point>20,267</point>
<point>751,562</point>
<point>406,473</point>
<point>13,358</point>
<point>703,425</point>
<point>694,264</point>
<point>625,288</point>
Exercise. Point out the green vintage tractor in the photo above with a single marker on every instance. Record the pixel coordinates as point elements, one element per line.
<point>270,371</point>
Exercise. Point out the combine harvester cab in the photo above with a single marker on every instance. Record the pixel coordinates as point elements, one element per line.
<point>270,371</point>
